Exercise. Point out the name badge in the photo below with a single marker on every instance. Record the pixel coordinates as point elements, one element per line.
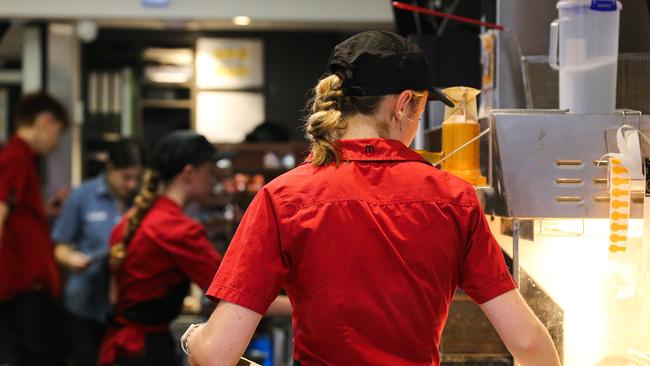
<point>97,216</point>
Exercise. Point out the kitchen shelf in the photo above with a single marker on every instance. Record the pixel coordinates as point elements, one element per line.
<point>170,104</point>
<point>186,85</point>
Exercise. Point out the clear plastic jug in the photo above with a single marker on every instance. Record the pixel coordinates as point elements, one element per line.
<point>584,39</point>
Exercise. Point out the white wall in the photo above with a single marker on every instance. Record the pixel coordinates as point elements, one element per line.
<point>372,11</point>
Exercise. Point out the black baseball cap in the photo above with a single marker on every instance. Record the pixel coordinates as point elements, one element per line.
<point>180,148</point>
<point>380,63</point>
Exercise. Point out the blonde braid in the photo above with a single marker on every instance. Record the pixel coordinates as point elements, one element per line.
<point>143,202</point>
<point>325,123</point>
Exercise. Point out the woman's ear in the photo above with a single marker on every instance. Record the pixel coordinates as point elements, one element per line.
<point>403,105</point>
<point>187,171</point>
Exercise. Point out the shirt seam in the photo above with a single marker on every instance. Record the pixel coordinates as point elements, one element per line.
<point>458,204</point>
<point>379,159</point>
<point>251,294</point>
<point>257,301</point>
<point>486,290</point>
<point>287,217</point>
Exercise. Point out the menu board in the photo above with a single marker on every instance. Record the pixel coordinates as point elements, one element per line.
<point>229,63</point>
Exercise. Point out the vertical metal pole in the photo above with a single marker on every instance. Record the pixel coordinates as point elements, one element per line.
<point>418,142</point>
<point>492,127</point>
<point>33,58</point>
<point>64,81</point>
<point>4,115</point>
<point>515,251</point>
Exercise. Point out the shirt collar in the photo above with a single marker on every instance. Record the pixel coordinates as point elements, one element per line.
<point>24,146</point>
<point>168,203</point>
<point>101,187</point>
<point>374,149</point>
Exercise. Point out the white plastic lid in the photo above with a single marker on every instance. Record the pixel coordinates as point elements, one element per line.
<point>564,4</point>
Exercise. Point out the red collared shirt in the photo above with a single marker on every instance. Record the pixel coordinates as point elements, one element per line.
<point>26,251</point>
<point>369,252</point>
<point>168,249</point>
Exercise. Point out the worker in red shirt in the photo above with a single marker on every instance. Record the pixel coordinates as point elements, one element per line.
<point>156,250</point>
<point>29,280</point>
<point>369,241</point>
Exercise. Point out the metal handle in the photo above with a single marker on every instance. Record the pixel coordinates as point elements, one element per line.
<point>553,44</point>
<point>463,146</point>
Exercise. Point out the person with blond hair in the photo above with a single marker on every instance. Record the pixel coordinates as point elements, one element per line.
<point>369,241</point>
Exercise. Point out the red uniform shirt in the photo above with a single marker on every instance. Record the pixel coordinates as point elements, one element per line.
<point>26,251</point>
<point>370,254</point>
<point>167,249</point>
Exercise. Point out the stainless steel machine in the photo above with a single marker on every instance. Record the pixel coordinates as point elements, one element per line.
<point>547,177</point>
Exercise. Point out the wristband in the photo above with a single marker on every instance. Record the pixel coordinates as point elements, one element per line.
<point>186,336</point>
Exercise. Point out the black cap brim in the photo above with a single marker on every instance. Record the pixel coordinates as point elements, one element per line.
<point>437,94</point>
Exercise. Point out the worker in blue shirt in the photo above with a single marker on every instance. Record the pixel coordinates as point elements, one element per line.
<point>81,234</point>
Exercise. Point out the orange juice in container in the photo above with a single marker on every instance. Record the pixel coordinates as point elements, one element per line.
<point>460,126</point>
<point>431,157</point>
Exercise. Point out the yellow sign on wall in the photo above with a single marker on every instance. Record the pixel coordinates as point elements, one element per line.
<point>229,63</point>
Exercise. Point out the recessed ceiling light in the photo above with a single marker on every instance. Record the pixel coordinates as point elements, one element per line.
<point>241,20</point>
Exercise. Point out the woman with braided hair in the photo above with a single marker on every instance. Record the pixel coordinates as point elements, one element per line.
<point>369,241</point>
<point>156,250</point>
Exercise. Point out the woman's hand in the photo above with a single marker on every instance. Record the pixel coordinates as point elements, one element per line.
<point>77,261</point>
<point>225,336</point>
<point>71,259</point>
<point>54,205</point>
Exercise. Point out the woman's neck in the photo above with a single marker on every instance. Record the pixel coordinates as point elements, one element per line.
<point>177,194</point>
<point>360,127</point>
<point>27,134</point>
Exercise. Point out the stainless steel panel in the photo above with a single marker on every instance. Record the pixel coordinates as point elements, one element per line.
<point>542,164</point>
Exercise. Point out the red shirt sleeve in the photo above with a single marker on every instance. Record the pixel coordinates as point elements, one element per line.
<point>193,252</point>
<point>484,273</point>
<point>256,264</point>
<point>13,174</point>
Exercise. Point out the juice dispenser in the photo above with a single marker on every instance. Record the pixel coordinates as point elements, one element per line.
<point>459,127</point>
<point>584,49</point>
